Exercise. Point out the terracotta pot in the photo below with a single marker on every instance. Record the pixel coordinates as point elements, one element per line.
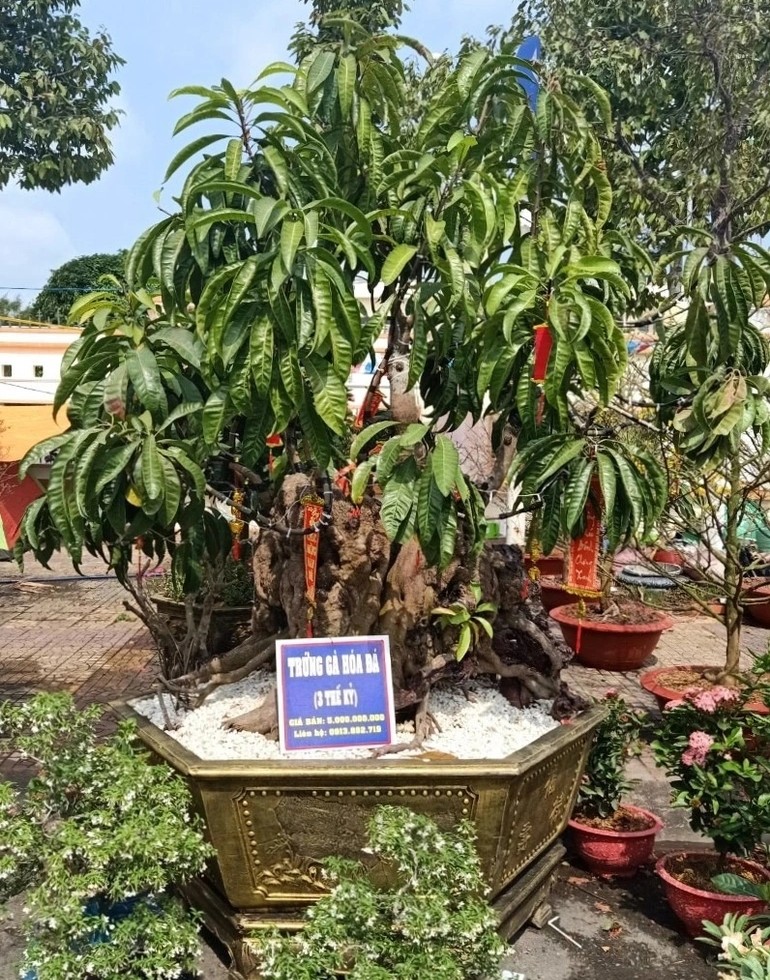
<point>667,556</point>
<point>553,593</point>
<point>692,905</point>
<point>552,564</point>
<point>609,646</point>
<point>615,852</point>
<point>654,681</point>
<point>759,610</point>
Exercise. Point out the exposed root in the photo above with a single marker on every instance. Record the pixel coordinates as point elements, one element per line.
<point>259,653</point>
<point>262,720</point>
<point>725,678</point>
<point>523,625</point>
<point>425,725</point>
<point>538,684</point>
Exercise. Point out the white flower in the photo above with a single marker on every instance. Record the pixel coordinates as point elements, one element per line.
<point>733,940</point>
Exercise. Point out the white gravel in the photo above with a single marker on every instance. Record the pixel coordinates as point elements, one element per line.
<point>487,727</point>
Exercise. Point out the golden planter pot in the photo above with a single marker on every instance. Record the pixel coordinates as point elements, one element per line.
<point>273,822</point>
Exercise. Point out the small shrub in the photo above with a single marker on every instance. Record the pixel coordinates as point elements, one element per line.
<point>432,923</point>
<point>98,836</point>
<point>605,783</point>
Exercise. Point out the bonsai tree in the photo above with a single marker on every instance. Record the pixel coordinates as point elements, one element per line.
<point>467,225</point>
<point>688,156</point>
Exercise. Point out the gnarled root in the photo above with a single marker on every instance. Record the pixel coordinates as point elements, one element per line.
<point>425,725</point>
<point>233,666</point>
<point>262,720</point>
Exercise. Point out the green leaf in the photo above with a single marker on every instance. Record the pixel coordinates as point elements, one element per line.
<point>346,83</point>
<point>446,464</point>
<point>190,150</point>
<point>329,393</point>
<point>233,157</point>
<point>396,262</point>
<point>292,233</point>
<point>360,480</point>
<point>366,435</point>
<point>152,469</point>
<point>145,377</point>
<point>182,342</point>
<point>320,69</point>
<point>261,353</point>
<point>576,494</point>
<point>214,413</point>
<point>464,642</point>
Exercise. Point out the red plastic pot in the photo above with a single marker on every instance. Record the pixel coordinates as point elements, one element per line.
<point>552,564</point>
<point>609,646</point>
<point>615,852</point>
<point>654,681</point>
<point>553,593</point>
<point>667,556</point>
<point>692,905</point>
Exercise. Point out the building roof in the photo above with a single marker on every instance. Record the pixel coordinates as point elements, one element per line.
<point>21,426</point>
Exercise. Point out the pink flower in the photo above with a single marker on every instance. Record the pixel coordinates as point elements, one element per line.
<point>709,701</point>
<point>611,693</point>
<point>699,744</point>
<point>676,703</point>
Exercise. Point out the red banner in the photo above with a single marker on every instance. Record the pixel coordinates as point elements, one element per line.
<point>312,511</point>
<point>583,557</point>
<point>543,347</point>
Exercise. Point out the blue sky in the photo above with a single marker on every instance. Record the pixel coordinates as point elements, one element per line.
<point>166,44</point>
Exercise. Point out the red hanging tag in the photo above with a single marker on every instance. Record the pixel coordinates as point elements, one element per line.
<point>543,348</point>
<point>369,408</point>
<point>312,510</point>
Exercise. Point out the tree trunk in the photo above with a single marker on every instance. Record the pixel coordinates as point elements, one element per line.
<point>733,573</point>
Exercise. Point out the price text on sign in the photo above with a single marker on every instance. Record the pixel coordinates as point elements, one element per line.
<point>334,692</point>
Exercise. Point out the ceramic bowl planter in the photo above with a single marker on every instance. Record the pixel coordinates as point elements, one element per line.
<point>619,853</point>
<point>608,645</point>
<point>759,606</point>
<point>553,592</point>
<point>223,628</point>
<point>655,681</point>
<point>551,565</point>
<point>692,905</point>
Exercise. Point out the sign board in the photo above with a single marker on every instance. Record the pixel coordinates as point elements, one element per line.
<point>334,692</point>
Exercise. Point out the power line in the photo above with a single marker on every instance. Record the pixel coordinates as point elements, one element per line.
<point>61,289</point>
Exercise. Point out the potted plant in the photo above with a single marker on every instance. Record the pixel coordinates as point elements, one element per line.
<point>229,586</point>
<point>99,838</point>
<point>429,918</point>
<point>418,181</point>
<point>717,757</point>
<point>611,837</point>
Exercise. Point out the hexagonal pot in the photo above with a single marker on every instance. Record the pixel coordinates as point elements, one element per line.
<point>273,822</point>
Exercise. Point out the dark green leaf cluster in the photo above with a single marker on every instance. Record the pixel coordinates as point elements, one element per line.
<point>55,96</point>
<point>622,481</point>
<point>97,825</point>
<point>432,921</point>
<point>708,376</point>
<point>470,224</point>
<point>604,782</point>
<point>72,280</point>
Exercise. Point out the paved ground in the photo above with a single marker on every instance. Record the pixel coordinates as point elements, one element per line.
<point>58,632</point>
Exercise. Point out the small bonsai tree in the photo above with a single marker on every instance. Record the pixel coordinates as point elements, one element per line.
<point>470,219</point>
<point>432,919</point>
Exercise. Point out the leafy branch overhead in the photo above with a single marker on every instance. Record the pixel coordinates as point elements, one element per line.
<point>471,224</point>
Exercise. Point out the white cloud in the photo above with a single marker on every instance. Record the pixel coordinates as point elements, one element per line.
<point>32,242</point>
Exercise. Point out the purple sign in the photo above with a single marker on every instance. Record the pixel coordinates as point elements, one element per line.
<point>334,692</point>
